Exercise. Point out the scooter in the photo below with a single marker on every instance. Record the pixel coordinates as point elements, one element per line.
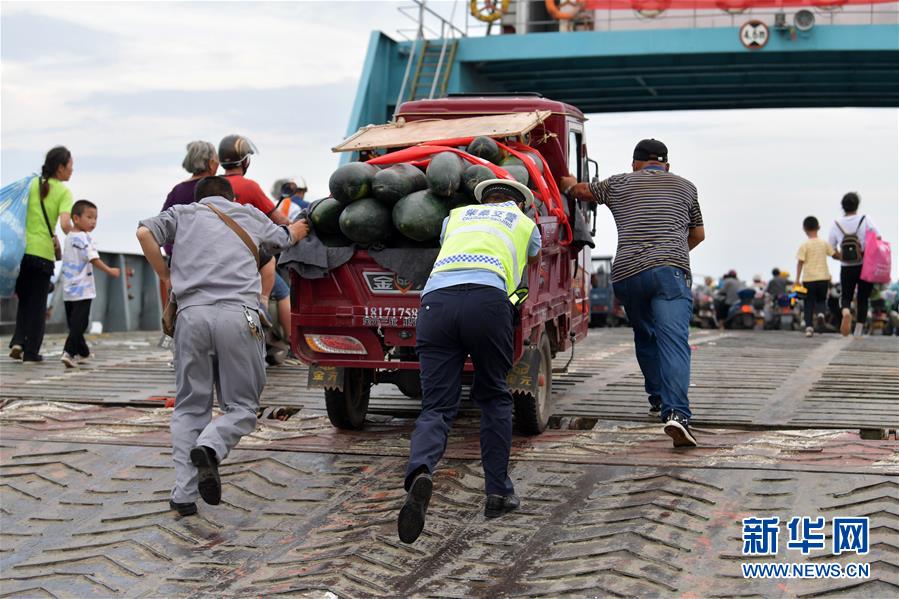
<point>782,315</point>
<point>742,314</point>
<point>704,311</point>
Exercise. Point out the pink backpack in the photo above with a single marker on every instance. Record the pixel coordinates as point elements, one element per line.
<point>877,261</point>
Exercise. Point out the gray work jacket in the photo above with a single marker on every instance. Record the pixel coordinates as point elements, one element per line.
<point>212,264</point>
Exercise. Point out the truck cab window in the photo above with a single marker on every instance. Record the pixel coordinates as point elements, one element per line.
<point>575,163</point>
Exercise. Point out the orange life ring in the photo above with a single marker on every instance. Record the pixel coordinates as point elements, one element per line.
<point>555,11</point>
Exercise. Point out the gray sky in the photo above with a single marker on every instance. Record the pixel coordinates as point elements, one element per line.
<point>126,85</point>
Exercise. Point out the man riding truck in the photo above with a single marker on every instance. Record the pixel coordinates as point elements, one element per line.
<point>467,309</point>
<point>234,155</point>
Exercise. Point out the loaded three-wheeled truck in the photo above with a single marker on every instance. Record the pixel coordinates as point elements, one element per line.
<point>355,325</point>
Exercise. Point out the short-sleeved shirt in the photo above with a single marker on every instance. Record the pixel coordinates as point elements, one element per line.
<point>653,210</point>
<point>37,237</point>
<point>212,264</point>
<point>181,194</point>
<point>450,278</point>
<point>77,271</point>
<point>850,225</point>
<point>814,253</point>
<point>248,192</point>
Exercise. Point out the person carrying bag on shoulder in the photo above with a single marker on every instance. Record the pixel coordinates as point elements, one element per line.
<point>49,202</point>
<point>848,234</point>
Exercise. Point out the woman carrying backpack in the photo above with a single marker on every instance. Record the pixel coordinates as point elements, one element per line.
<point>848,235</point>
<point>48,201</point>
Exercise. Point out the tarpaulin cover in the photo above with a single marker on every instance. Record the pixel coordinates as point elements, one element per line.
<point>13,207</point>
<point>729,5</point>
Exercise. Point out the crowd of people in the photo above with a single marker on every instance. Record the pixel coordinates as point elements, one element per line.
<point>467,305</point>
<point>827,305</point>
<point>51,204</point>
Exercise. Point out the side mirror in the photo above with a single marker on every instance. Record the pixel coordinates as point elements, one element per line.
<point>592,170</point>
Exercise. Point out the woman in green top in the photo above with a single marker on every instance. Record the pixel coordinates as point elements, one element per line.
<point>48,201</point>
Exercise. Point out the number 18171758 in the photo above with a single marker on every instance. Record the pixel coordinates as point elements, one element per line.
<point>390,316</point>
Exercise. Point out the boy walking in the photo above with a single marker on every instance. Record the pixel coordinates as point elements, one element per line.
<point>812,270</point>
<point>79,257</point>
<point>214,279</point>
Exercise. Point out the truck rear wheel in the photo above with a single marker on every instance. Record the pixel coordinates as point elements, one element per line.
<point>347,407</point>
<point>532,412</point>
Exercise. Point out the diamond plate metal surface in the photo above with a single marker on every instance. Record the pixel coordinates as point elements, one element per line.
<point>85,472</point>
<point>92,520</point>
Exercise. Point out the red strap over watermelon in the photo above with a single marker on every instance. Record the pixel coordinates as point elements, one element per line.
<point>421,154</point>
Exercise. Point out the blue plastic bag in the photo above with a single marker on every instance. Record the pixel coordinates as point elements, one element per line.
<point>13,208</point>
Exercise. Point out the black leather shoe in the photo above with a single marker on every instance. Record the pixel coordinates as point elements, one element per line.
<point>412,515</point>
<point>497,505</point>
<point>209,483</point>
<point>183,509</point>
<point>32,358</point>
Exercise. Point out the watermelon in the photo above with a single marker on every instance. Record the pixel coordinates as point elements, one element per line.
<point>420,215</point>
<point>445,173</point>
<point>396,182</point>
<point>324,215</point>
<point>484,147</point>
<point>511,161</point>
<point>366,221</point>
<point>352,182</point>
<point>474,174</point>
<point>537,160</point>
<point>518,172</point>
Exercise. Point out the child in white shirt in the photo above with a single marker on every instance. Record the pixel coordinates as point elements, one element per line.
<point>78,259</point>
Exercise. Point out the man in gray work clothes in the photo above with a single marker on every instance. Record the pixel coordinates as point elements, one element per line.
<point>215,281</point>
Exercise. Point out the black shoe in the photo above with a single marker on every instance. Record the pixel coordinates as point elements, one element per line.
<point>497,505</point>
<point>412,515</point>
<point>678,428</point>
<point>209,483</point>
<point>32,358</point>
<point>184,509</point>
<point>655,406</point>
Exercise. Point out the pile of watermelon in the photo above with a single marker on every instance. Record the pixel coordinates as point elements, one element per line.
<point>402,205</point>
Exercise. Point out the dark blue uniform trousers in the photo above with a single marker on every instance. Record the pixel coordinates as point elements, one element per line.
<point>453,323</point>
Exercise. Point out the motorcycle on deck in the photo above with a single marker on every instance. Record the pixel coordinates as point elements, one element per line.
<point>742,314</point>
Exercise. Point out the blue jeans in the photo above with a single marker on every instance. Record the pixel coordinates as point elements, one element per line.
<point>659,306</point>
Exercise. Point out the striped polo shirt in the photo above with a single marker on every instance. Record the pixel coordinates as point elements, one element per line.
<point>653,210</point>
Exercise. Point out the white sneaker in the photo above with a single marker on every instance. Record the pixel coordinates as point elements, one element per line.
<point>809,331</point>
<point>68,360</point>
<point>859,330</point>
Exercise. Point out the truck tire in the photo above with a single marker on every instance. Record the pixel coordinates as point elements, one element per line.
<point>347,407</point>
<point>532,412</point>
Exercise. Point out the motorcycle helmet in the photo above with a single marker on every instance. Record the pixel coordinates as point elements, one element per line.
<point>233,149</point>
<point>283,188</point>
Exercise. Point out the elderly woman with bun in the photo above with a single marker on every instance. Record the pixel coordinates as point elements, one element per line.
<point>200,161</point>
<point>49,201</point>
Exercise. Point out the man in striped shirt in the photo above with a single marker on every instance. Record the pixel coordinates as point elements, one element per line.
<point>659,222</point>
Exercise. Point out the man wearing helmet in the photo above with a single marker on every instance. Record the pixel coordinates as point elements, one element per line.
<point>467,308</point>
<point>289,194</point>
<point>234,155</point>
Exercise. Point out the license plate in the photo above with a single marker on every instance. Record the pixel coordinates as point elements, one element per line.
<point>390,316</point>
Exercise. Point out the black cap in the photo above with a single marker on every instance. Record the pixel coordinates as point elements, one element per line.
<point>651,149</point>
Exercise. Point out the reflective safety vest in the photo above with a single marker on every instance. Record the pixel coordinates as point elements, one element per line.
<point>488,237</point>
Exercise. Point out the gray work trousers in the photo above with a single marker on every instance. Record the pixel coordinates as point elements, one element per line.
<point>215,349</point>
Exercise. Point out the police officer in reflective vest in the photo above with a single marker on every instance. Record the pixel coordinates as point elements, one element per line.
<point>467,309</point>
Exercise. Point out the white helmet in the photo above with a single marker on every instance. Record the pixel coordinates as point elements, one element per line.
<point>516,191</point>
